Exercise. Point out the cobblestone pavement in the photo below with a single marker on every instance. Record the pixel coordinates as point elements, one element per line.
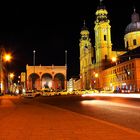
<point>26,119</point>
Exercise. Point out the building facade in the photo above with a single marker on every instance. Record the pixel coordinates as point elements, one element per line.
<point>103,68</point>
<point>86,56</point>
<point>46,77</point>
<point>124,76</point>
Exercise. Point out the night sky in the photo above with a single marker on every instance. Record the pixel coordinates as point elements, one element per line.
<point>50,28</point>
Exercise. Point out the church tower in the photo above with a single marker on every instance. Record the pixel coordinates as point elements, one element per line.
<point>132,32</point>
<point>86,55</point>
<point>103,45</point>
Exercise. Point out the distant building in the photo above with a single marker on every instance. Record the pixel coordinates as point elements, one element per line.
<point>103,68</point>
<point>46,77</point>
<point>73,84</point>
<point>70,85</point>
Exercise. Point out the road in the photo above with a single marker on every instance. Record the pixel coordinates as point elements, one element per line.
<point>124,112</point>
<point>68,118</point>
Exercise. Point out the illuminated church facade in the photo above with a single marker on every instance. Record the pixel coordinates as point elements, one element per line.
<point>103,68</point>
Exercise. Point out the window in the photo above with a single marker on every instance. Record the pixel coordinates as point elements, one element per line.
<point>105,58</point>
<point>129,66</point>
<point>84,37</point>
<point>132,65</point>
<point>127,44</point>
<point>104,37</point>
<point>134,42</point>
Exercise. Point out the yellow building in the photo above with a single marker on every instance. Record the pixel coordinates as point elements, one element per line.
<point>86,55</point>
<point>95,59</point>
<point>132,32</point>
<point>122,76</point>
<point>103,44</point>
<point>103,68</point>
<point>46,77</point>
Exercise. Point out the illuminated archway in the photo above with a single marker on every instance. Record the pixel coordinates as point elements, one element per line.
<point>59,81</point>
<point>34,81</point>
<point>46,76</point>
<point>46,81</point>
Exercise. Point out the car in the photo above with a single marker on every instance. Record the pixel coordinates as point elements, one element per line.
<point>125,91</point>
<point>91,91</point>
<point>83,91</point>
<point>38,92</point>
<point>47,93</point>
<point>75,92</point>
<point>62,92</point>
<point>30,94</point>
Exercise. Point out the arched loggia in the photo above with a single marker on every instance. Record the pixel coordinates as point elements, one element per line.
<point>59,81</point>
<point>46,81</point>
<point>33,81</point>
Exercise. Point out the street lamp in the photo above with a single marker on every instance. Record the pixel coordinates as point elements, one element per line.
<point>66,68</point>
<point>10,81</point>
<point>114,60</point>
<point>11,76</point>
<point>7,57</point>
<point>34,69</point>
<point>4,57</point>
<point>97,77</point>
<point>34,59</point>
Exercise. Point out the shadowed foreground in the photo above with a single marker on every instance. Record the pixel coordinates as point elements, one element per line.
<point>26,119</point>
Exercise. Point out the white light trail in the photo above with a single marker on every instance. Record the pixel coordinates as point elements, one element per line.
<point>136,95</point>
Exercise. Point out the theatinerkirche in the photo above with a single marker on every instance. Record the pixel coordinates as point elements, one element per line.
<point>103,68</point>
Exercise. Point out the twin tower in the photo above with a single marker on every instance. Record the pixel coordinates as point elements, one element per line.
<point>95,59</point>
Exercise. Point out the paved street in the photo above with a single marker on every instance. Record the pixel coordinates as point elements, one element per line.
<point>27,119</point>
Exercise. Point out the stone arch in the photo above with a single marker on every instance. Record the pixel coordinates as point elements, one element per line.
<point>46,81</point>
<point>49,71</point>
<point>33,81</point>
<point>59,81</point>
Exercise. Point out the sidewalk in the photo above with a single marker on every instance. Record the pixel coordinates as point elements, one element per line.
<point>9,96</point>
<point>31,120</point>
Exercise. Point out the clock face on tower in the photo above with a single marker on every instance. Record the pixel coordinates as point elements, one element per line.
<point>104,30</point>
<point>84,38</point>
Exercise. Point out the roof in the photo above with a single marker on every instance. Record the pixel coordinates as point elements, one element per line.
<point>131,54</point>
<point>135,23</point>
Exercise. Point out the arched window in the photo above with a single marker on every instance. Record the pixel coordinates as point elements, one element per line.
<point>134,42</point>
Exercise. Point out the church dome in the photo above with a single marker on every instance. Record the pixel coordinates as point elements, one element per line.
<point>135,23</point>
<point>84,30</point>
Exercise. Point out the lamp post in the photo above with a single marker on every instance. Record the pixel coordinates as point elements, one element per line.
<point>114,60</point>
<point>10,82</point>
<point>34,59</point>
<point>34,69</point>
<point>97,78</point>
<point>66,67</point>
<point>0,71</point>
<point>4,57</point>
<point>66,58</point>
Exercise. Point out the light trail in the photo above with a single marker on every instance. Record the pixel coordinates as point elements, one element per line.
<point>136,95</point>
<point>106,104</point>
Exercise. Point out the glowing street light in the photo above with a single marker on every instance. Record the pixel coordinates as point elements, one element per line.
<point>34,69</point>
<point>11,75</point>
<point>7,57</point>
<point>96,75</point>
<point>4,57</point>
<point>114,59</point>
<point>10,82</point>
